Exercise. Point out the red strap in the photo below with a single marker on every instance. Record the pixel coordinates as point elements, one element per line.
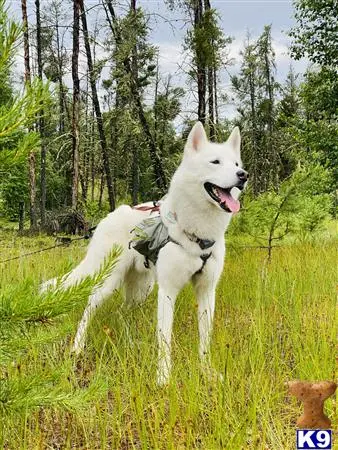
<point>154,208</point>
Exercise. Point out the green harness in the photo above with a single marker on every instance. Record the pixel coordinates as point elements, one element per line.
<point>151,235</point>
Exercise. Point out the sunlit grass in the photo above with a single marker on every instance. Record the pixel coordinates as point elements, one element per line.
<point>274,322</point>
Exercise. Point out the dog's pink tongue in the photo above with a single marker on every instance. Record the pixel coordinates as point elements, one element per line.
<point>231,203</point>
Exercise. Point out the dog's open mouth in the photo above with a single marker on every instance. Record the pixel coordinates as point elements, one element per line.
<point>223,197</point>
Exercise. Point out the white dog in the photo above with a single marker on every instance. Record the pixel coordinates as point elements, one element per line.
<point>195,214</point>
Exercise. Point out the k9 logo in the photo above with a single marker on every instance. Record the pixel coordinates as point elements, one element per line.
<point>314,439</point>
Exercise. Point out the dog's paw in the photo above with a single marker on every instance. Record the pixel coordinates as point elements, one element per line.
<point>163,373</point>
<point>77,348</point>
<point>162,380</point>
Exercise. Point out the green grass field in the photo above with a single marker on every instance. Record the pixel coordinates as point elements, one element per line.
<point>274,323</point>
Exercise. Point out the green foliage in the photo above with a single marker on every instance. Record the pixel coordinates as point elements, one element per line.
<point>22,311</point>
<point>14,190</point>
<point>255,91</point>
<point>313,131</point>
<point>131,159</point>
<point>9,34</point>
<point>27,320</point>
<point>94,212</point>
<point>207,42</point>
<point>300,206</point>
<point>133,30</point>
<point>55,57</point>
<point>289,104</point>
<point>315,34</point>
<point>264,335</point>
<point>319,93</point>
<point>23,110</point>
<point>41,391</point>
<point>17,112</point>
<point>14,151</point>
<point>280,125</point>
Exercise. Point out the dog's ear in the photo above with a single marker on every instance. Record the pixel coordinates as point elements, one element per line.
<point>234,140</point>
<point>197,138</point>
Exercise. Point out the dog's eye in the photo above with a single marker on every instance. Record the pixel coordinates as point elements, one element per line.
<point>215,161</point>
<point>236,164</point>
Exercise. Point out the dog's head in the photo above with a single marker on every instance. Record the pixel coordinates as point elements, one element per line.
<point>217,168</point>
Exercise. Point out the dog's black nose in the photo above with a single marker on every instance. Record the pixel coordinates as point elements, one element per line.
<point>242,175</point>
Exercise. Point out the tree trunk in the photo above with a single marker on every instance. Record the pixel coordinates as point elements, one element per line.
<point>41,120</point>
<point>157,82</point>
<point>26,42</point>
<point>101,189</point>
<point>135,163</point>
<point>200,69</point>
<point>253,133</point>
<point>62,101</point>
<point>84,172</point>
<point>76,102</point>
<point>31,158</point>
<point>21,216</point>
<point>215,96</point>
<point>159,174</point>
<point>99,118</point>
<point>92,154</point>
<point>114,131</point>
<point>211,73</point>
<point>212,131</point>
<point>273,169</point>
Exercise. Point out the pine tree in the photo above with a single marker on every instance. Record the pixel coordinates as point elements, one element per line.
<point>18,113</point>
<point>315,34</point>
<point>208,45</point>
<point>288,109</point>
<point>31,322</point>
<point>248,91</point>
<point>43,181</point>
<point>99,118</point>
<point>55,56</point>
<point>255,88</point>
<point>31,159</point>
<point>76,102</point>
<point>131,51</point>
<point>267,63</point>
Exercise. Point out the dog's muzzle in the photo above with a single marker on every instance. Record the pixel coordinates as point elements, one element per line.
<point>243,178</point>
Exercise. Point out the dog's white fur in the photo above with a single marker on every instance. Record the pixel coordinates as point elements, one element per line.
<point>188,208</point>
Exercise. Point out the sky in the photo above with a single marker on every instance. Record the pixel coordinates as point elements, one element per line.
<point>236,18</point>
<point>168,28</point>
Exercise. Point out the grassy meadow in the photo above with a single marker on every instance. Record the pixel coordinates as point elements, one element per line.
<point>274,322</point>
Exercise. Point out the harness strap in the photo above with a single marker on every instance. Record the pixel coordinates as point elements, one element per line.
<point>203,243</point>
<point>154,208</point>
<point>204,258</point>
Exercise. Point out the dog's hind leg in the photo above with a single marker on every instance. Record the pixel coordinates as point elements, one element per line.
<point>138,285</point>
<point>98,296</point>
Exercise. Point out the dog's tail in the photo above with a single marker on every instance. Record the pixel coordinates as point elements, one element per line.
<point>113,229</point>
<point>47,285</point>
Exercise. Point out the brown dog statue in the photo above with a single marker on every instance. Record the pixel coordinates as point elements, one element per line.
<point>313,396</point>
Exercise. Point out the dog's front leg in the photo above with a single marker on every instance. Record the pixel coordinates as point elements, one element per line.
<point>165,318</point>
<point>175,268</point>
<point>206,307</point>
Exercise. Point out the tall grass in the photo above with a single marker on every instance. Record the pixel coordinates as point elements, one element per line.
<point>274,323</point>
